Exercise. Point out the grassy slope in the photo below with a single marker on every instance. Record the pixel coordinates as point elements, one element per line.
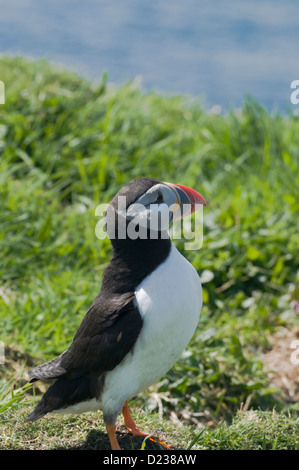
<point>251,430</point>
<point>67,146</point>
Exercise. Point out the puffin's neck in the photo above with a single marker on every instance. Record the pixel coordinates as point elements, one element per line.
<point>133,260</point>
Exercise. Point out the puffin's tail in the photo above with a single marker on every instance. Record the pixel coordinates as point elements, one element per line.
<point>47,373</point>
<point>64,392</point>
<point>38,412</point>
<point>67,388</point>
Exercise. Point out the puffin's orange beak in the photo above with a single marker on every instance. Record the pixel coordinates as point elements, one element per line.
<point>186,195</point>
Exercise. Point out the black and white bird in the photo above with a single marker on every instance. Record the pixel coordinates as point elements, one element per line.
<point>142,319</point>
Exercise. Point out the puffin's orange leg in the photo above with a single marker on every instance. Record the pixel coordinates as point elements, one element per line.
<point>112,436</point>
<point>132,428</point>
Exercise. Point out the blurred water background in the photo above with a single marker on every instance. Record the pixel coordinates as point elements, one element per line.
<point>215,50</point>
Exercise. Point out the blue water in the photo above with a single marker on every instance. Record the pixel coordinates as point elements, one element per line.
<point>217,50</point>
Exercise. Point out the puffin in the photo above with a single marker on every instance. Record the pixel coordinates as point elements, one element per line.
<point>142,319</point>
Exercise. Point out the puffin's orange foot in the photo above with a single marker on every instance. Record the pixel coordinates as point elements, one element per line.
<point>132,428</point>
<point>155,439</point>
<point>112,437</point>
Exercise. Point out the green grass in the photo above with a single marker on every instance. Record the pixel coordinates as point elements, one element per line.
<point>66,146</point>
<point>249,430</point>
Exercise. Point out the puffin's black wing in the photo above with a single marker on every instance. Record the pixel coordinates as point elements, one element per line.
<point>103,339</point>
<point>101,342</point>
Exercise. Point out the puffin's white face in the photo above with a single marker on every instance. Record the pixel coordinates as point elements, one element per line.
<point>154,209</point>
<point>161,204</point>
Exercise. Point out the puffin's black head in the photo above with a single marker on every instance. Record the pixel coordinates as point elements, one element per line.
<point>146,205</point>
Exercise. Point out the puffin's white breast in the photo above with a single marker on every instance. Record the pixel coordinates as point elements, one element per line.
<point>170,301</point>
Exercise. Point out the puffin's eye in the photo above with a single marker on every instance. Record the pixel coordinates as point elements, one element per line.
<point>159,197</point>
